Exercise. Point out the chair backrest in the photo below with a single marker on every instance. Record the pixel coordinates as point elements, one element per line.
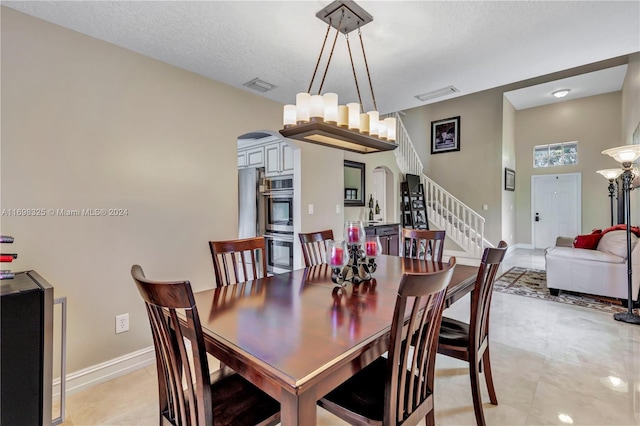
<point>314,248</point>
<point>411,372</point>
<point>483,289</point>
<point>423,244</point>
<point>190,406</point>
<point>236,261</point>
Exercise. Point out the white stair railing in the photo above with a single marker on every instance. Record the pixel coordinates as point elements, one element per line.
<point>406,155</point>
<point>462,224</point>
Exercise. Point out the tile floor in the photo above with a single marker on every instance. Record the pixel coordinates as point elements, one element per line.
<point>553,364</point>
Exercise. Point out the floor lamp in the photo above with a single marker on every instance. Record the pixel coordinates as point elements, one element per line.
<point>626,155</point>
<point>612,175</point>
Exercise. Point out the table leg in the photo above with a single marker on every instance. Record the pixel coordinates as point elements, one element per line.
<point>298,410</point>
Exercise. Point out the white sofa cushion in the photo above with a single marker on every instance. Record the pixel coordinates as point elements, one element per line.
<point>615,242</point>
<point>586,254</point>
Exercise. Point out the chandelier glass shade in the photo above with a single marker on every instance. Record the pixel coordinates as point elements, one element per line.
<point>610,174</point>
<point>625,154</point>
<point>320,118</point>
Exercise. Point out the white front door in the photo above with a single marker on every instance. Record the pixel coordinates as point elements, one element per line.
<point>555,207</point>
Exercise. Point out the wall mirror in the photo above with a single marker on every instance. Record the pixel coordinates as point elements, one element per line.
<point>353,183</point>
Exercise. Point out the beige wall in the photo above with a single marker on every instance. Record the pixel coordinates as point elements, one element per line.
<point>631,118</point>
<point>323,186</point>
<point>631,99</point>
<point>508,161</point>
<point>371,161</point>
<point>86,124</point>
<point>474,174</point>
<point>595,123</point>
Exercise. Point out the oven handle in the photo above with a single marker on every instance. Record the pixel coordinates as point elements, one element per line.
<point>279,238</point>
<point>279,194</point>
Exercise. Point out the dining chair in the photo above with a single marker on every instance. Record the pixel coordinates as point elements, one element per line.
<point>236,261</point>
<point>470,342</point>
<point>398,389</point>
<point>423,244</point>
<point>314,248</point>
<point>186,394</point>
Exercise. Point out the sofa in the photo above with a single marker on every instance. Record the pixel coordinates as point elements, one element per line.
<point>600,271</point>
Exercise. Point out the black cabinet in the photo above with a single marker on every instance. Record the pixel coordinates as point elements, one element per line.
<point>26,305</point>
<point>389,237</point>
<point>412,205</point>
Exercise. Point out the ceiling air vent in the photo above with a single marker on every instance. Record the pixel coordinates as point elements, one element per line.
<point>259,85</point>
<point>438,93</point>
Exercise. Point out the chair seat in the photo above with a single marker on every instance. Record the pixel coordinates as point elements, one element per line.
<point>256,405</point>
<point>363,394</point>
<point>454,333</point>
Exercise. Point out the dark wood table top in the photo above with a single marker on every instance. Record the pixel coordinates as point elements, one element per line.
<point>298,335</point>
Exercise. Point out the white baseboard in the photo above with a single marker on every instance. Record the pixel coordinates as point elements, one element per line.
<point>463,258</point>
<point>105,371</point>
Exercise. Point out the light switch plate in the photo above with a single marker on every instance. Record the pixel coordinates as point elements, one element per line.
<point>310,208</point>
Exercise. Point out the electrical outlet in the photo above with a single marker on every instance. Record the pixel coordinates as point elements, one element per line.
<point>310,208</point>
<point>122,323</point>
<point>337,208</point>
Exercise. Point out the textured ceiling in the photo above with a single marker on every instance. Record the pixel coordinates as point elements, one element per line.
<point>412,47</point>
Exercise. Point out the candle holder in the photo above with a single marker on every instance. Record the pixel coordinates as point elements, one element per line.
<point>362,253</point>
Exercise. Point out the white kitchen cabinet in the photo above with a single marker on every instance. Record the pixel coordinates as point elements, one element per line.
<point>252,157</point>
<point>255,157</point>
<point>278,159</point>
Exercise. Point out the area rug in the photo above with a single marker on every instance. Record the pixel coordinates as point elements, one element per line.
<point>533,283</point>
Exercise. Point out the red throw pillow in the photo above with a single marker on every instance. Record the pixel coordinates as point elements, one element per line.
<point>587,241</point>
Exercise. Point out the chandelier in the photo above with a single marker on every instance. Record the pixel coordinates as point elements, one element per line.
<point>319,118</point>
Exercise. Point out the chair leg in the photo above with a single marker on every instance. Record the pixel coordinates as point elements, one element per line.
<point>430,419</point>
<point>475,391</point>
<point>488,377</point>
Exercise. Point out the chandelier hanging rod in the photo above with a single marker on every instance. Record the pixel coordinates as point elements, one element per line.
<point>330,55</point>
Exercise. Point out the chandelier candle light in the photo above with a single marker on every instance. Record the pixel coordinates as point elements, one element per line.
<point>626,155</point>
<point>353,260</point>
<point>320,118</point>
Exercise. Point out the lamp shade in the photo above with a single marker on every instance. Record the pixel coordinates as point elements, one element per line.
<point>302,107</point>
<point>354,116</point>
<point>330,107</point>
<point>374,117</point>
<point>610,174</point>
<point>624,154</point>
<point>316,107</point>
<point>289,117</point>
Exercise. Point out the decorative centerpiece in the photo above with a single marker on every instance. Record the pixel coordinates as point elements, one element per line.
<point>354,260</point>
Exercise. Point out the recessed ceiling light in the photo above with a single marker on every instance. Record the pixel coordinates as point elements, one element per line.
<point>438,93</point>
<point>561,93</point>
<point>259,85</point>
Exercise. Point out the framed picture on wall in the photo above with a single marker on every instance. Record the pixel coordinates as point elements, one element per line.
<point>445,135</point>
<point>509,179</point>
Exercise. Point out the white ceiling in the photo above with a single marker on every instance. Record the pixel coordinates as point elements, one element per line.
<point>412,47</point>
<point>579,86</point>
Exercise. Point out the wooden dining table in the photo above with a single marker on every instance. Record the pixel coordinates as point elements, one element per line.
<point>298,335</point>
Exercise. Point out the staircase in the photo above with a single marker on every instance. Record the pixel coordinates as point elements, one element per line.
<point>462,224</point>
